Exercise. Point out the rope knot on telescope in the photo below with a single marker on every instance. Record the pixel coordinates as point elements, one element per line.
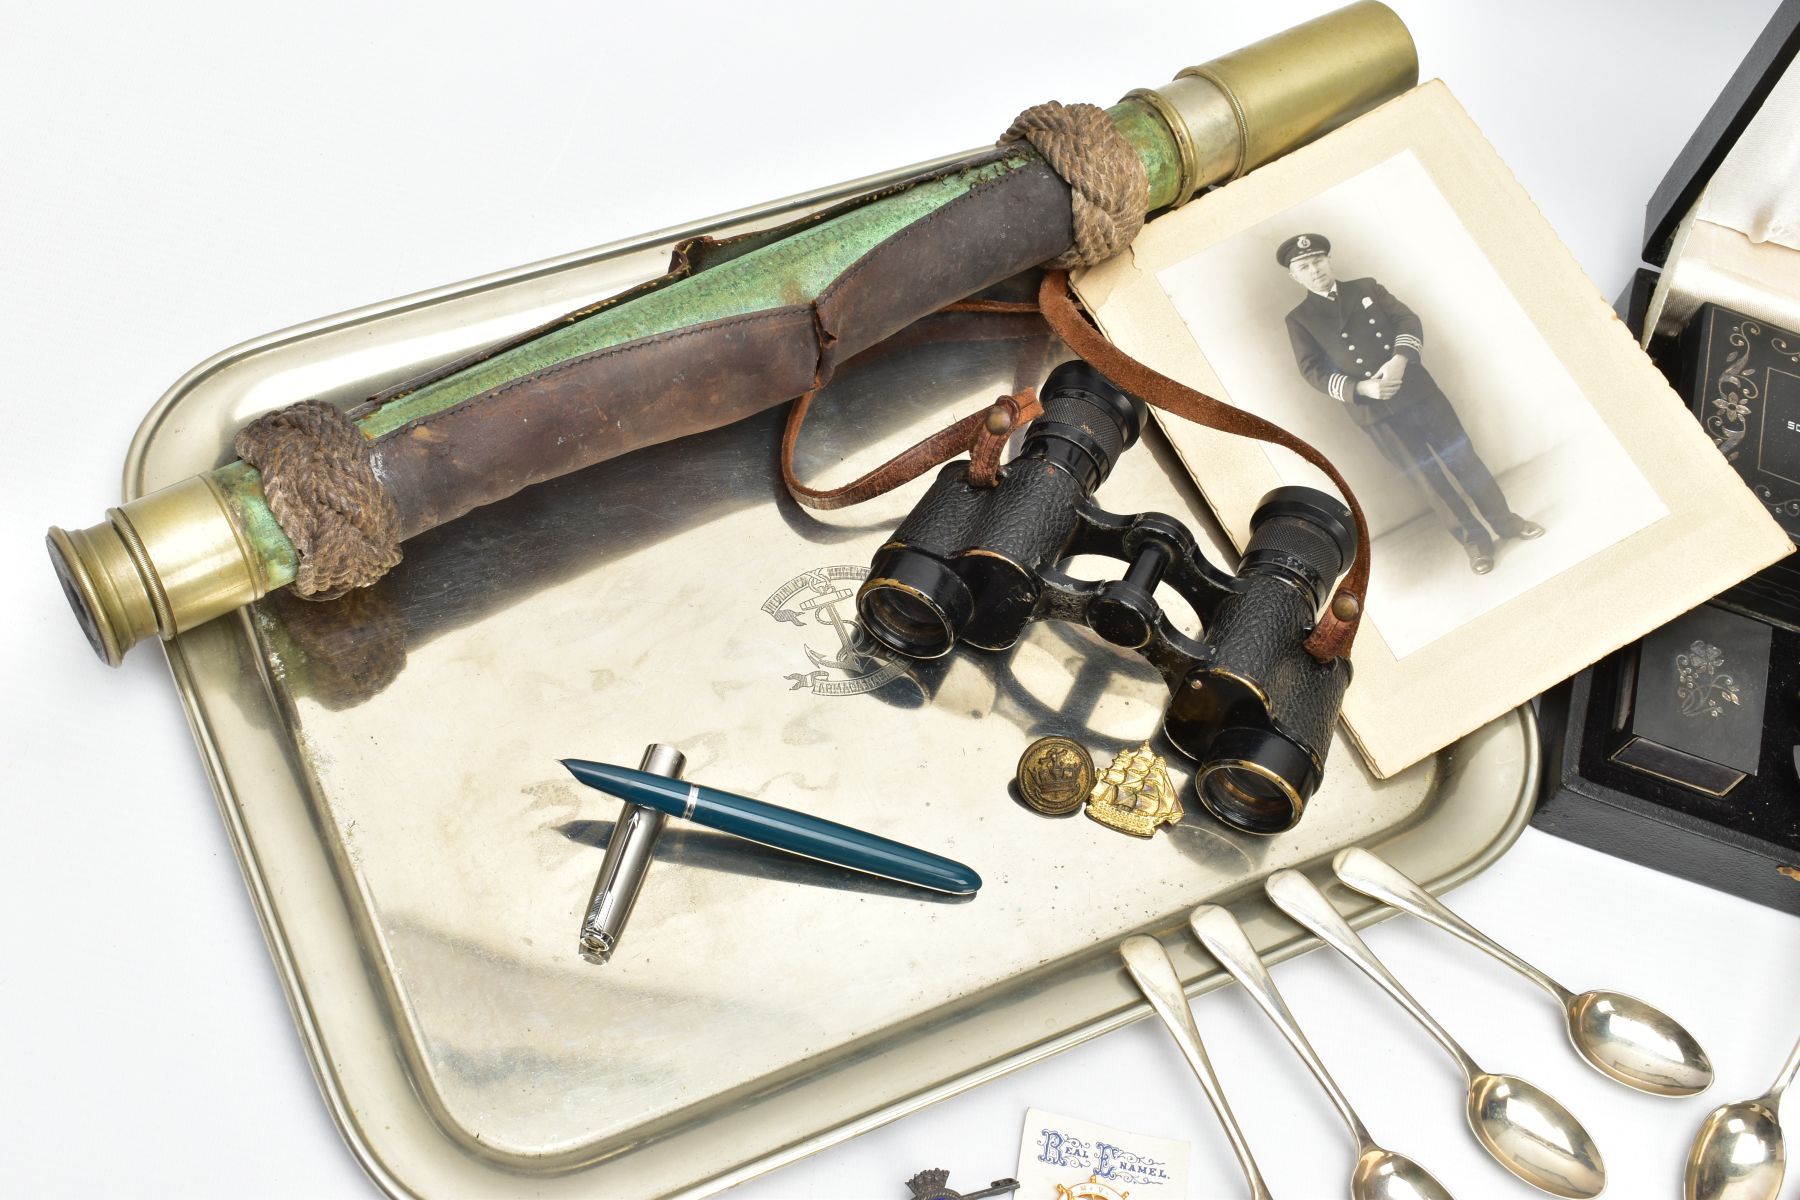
<point>1109,187</point>
<point>319,477</point>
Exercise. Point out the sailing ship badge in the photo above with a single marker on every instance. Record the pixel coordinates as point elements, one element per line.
<point>1134,795</point>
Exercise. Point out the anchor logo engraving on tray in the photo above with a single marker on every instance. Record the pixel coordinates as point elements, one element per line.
<point>825,596</point>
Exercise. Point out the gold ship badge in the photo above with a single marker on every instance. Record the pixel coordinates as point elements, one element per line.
<point>1134,795</point>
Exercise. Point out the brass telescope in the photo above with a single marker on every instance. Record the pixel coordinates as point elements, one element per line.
<point>737,327</point>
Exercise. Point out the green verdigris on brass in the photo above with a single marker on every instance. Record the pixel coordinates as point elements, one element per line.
<point>1149,136</point>
<point>240,484</point>
<point>794,270</point>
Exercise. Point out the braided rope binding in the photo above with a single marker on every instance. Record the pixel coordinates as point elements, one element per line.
<point>319,478</point>
<point>1109,188</point>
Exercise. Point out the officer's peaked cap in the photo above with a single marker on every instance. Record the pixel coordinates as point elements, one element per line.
<point>1302,245</point>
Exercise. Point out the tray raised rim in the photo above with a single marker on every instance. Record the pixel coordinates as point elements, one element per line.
<point>341,1014</point>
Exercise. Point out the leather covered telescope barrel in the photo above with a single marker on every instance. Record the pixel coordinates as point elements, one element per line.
<point>736,327</point>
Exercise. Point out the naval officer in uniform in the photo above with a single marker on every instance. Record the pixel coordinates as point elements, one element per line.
<point>1359,345</point>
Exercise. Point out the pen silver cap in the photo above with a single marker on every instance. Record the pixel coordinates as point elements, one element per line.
<point>627,861</point>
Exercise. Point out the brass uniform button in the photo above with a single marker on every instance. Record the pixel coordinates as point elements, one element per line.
<point>1055,775</point>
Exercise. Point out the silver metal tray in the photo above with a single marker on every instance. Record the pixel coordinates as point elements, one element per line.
<point>388,769</point>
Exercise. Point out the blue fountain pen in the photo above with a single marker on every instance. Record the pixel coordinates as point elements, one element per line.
<point>782,828</point>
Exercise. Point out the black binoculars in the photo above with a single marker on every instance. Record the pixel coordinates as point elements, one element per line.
<point>1247,703</point>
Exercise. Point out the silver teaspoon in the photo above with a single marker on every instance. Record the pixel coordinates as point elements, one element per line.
<point>1620,1036</point>
<point>1738,1154</point>
<point>1526,1131</point>
<point>1149,966</point>
<point>1380,1174</point>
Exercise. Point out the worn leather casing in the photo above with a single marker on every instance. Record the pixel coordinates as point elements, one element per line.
<point>670,385</point>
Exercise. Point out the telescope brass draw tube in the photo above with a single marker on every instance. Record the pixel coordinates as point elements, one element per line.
<point>738,327</point>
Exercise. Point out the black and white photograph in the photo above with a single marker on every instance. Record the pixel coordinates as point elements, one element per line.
<point>1367,321</point>
<point>1392,296</point>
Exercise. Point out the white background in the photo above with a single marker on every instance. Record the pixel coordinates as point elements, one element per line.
<point>180,177</point>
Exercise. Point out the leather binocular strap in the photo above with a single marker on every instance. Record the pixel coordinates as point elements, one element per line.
<point>1332,636</point>
<point>981,434</point>
<point>984,434</point>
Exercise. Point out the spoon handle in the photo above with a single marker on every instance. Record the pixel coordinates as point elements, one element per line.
<point>1149,966</point>
<point>1783,1079</point>
<point>1372,876</point>
<point>1226,941</point>
<point>1300,898</point>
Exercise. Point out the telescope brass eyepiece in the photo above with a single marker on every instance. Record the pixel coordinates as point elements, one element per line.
<point>1235,113</point>
<point>158,565</point>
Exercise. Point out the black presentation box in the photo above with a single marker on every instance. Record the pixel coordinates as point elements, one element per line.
<point>1736,372</point>
<point>1741,376</point>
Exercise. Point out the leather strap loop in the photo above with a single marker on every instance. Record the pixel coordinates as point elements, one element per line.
<point>1005,415</point>
<point>981,434</point>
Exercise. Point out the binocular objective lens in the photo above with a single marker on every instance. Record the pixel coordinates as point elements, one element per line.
<point>1248,800</point>
<point>905,622</point>
<point>913,603</point>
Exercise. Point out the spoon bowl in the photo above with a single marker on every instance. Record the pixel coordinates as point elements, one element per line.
<point>1637,1044</point>
<point>1383,1175</point>
<point>1379,1174</point>
<point>1623,1038</point>
<point>1534,1137</point>
<point>1522,1127</point>
<point>1738,1154</point>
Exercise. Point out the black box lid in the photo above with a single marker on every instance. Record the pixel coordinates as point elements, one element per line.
<point>1699,690</point>
<point>1720,129</point>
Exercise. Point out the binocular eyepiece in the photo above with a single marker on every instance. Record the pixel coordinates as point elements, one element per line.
<point>1248,703</point>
